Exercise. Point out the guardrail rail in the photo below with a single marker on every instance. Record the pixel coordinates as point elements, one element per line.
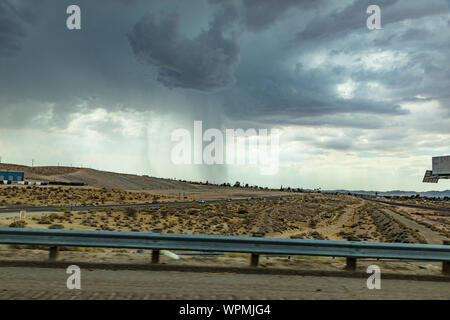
<point>256,246</point>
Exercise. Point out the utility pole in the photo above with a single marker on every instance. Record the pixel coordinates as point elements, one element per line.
<point>32,162</point>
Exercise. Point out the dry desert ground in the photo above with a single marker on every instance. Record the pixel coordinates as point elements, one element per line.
<point>295,215</point>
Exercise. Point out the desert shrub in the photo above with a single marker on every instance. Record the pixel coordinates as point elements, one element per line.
<point>53,216</point>
<point>131,212</point>
<point>316,235</point>
<point>56,226</point>
<point>44,220</point>
<point>247,221</point>
<point>242,211</point>
<point>312,223</point>
<point>68,214</point>
<point>193,211</point>
<point>18,224</point>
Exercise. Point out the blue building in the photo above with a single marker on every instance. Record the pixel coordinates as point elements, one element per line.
<point>11,176</point>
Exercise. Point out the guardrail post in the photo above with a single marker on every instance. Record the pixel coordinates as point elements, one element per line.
<point>350,264</point>
<point>155,256</point>
<point>254,260</point>
<point>53,253</point>
<point>446,264</point>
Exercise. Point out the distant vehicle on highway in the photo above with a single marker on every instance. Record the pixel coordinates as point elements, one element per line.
<point>228,200</point>
<point>201,201</point>
<point>155,202</point>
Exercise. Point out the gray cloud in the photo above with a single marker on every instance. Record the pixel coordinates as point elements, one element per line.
<point>255,83</point>
<point>15,16</point>
<point>204,63</point>
<point>263,64</point>
<point>352,18</point>
<point>260,14</point>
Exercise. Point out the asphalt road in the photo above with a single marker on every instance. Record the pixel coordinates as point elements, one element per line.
<point>137,205</point>
<point>127,205</point>
<point>50,283</point>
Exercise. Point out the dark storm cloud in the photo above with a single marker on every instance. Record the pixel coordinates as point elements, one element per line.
<point>204,63</point>
<point>128,59</point>
<point>309,68</point>
<point>281,95</point>
<point>15,16</point>
<point>302,96</point>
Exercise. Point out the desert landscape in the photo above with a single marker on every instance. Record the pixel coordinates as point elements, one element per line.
<point>306,216</point>
<point>296,215</point>
<point>211,150</point>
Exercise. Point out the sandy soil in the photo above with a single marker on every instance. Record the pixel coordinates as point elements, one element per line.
<point>272,217</point>
<point>306,216</point>
<point>75,196</point>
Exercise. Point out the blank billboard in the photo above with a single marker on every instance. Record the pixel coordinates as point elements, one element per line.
<point>441,165</point>
<point>429,178</point>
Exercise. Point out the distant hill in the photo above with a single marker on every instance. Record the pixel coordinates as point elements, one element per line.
<point>429,194</point>
<point>97,178</point>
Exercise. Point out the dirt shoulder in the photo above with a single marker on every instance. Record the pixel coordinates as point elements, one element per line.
<point>430,236</point>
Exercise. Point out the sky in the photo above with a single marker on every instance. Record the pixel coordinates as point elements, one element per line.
<point>357,109</point>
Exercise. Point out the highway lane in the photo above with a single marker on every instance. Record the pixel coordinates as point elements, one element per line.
<point>50,283</point>
<point>127,205</point>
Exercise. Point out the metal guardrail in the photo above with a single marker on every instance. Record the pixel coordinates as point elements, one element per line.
<point>254,245</point>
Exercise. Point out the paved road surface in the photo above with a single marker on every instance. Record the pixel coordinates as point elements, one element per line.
<point>15,208</point>
<point>50,283</point>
